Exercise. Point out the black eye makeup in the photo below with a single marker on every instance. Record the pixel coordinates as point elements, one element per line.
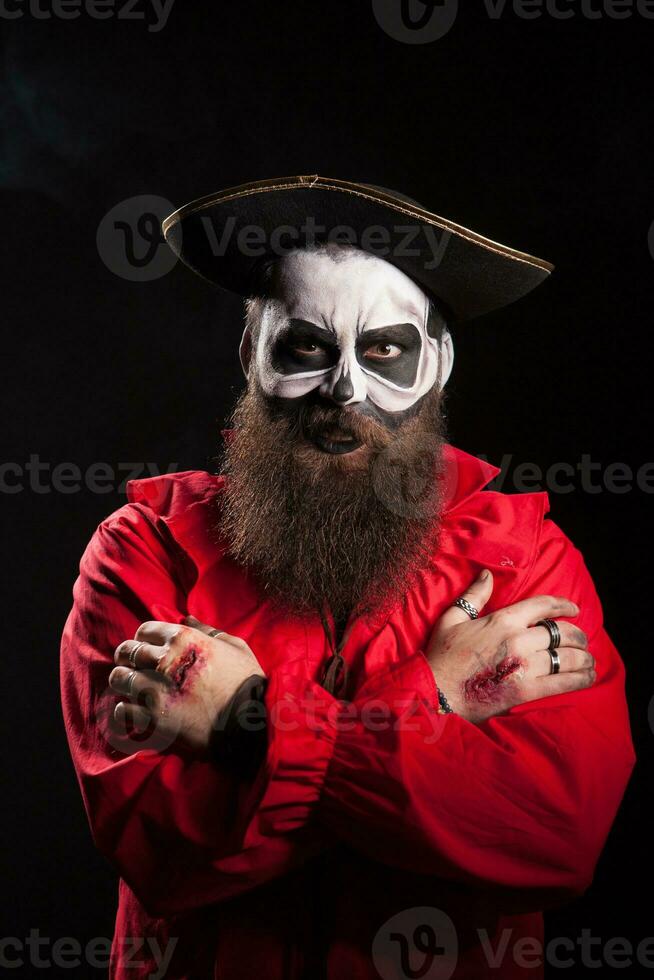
<point>392,352</point>
<point>304,346</point>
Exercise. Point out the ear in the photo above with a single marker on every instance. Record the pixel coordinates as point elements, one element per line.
<point>447,357</point>
<point>245,350</point>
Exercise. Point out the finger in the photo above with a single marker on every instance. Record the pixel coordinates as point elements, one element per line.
<point>527,612</point>
<point>136,684</point>
<point>535,638</point>
<point>566,683</point>
<point>212,631</point>
<point>571,659</point>
<point>203,627</point>
<point>157,632</point>
<point>477,595</point>
<point>138,654</point>
<point>133,716</point>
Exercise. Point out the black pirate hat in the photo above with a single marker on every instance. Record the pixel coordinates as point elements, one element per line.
<point>223,236</point>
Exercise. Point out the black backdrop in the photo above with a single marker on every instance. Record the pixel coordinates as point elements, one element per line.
<point>535,132</point>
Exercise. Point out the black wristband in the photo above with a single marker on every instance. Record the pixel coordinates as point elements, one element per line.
<point>239,737</point>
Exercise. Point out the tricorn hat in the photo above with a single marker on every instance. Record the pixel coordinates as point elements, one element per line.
<point>223,236</point>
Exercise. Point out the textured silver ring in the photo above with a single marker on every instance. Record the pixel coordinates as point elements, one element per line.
<point>556,663</point>
<point>132,654</point>
<point>130,682</point>
<point>552,628</point>
<point>467,607</point>
<point>214,633</point>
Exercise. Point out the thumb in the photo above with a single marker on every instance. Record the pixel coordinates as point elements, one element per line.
<point>477,595</point>
<point>197,625</point>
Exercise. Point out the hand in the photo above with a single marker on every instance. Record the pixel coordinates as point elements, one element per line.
<point>486,666</point>
<point>183,679</point>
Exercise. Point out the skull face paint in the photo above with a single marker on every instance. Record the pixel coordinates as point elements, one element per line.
<point>349,327</point>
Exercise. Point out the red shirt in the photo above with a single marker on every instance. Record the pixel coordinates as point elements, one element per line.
<point>370,833</point>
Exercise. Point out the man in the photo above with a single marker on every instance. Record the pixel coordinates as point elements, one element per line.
<point>364,719</point>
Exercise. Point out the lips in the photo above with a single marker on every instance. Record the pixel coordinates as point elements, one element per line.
<point>336,435</point>
<point>328,436</point>
<point>336,446</point>
<point>334,440</point>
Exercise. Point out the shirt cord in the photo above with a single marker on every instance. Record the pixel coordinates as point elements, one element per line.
<point>336,674</point>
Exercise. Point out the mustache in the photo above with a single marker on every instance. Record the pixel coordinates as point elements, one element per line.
<point>313,420</point>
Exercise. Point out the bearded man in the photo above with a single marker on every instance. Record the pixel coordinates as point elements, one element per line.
<point>363,719</point>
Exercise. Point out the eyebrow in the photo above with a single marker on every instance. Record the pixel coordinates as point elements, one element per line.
<point>298,327</point>
<point>305,328</point>
<point>395,331</point>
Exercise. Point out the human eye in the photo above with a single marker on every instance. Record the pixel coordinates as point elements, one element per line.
<point>306,348</point>
<point>383,351</point>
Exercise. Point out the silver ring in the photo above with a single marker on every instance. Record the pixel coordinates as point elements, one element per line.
<point>552,628</point>
<point>556,663</point>
<point>130,683</point>
<point>132,654</point>
<point>215,632</point>
<point>467,607</point>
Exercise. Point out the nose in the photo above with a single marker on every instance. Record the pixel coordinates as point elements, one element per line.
<point>343,390</point>
<point>339,389</point>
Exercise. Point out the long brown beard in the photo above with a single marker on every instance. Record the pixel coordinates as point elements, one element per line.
<point>317,529</point>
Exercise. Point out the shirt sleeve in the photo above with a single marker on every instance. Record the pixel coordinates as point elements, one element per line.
<point>521,803</point>
<point>181,832</point>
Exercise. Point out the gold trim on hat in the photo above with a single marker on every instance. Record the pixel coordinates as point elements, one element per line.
<point>311,181</point>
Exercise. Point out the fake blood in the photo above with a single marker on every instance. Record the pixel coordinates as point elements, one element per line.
<point>486,686</point>
<point>180,671</point>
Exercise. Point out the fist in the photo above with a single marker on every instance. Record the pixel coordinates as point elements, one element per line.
<point>179,678</point>
<point>487,665</point>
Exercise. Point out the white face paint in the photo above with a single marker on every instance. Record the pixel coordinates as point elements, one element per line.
<point>351,325</point>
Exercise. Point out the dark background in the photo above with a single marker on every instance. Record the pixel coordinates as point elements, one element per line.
<point>534,133</point>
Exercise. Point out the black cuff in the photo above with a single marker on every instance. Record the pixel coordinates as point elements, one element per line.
<point>240,736</point>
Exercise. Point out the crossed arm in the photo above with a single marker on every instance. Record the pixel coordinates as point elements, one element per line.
<point>488,802</point>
